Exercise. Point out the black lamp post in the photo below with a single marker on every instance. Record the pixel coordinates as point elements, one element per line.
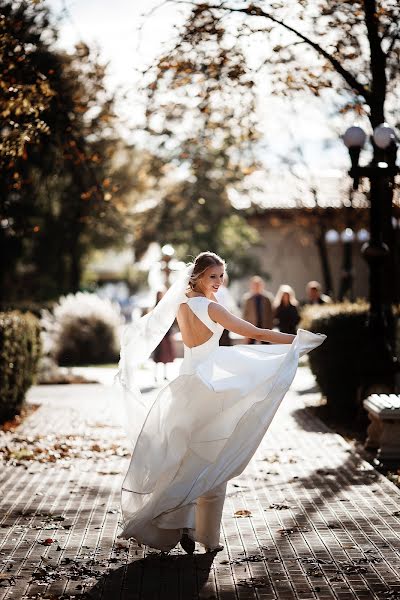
<point>381,172</point>
<point>347,279</point>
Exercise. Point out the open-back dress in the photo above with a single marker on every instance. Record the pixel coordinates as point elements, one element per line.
<point>202,430</point>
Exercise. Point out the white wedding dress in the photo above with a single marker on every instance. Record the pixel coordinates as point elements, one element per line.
<point>202,430</point>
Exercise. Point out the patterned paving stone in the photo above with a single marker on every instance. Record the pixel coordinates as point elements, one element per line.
<point>307,519</point>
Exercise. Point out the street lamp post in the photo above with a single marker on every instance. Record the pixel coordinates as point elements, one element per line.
<point>381,172</point>
<point>347,279</point>
<point>167,253</point>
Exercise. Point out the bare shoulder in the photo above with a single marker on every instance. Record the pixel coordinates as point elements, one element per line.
<point>216,310</point>
<point>183,309</point>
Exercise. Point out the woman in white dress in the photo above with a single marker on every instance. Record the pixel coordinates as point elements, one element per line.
<point>202,428</point>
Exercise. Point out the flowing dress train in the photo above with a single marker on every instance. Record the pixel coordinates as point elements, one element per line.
<point>202,430</point>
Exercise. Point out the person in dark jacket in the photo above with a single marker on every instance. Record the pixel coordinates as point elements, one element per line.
<point>257,305</point>
<point>286,314</point>
<point>164,353</point>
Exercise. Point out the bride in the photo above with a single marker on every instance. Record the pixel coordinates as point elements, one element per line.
<point>202,428</point>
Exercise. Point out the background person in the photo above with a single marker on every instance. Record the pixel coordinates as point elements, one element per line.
<point>286,314</point>
<point>164,353</point>
<point>314,294</point>
<point>257,307</point>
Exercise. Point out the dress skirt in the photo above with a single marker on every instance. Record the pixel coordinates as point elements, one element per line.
<point>199,431</point>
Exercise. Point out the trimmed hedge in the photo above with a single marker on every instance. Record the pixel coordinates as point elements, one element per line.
<point>341,364</point>
<point>20,350</point>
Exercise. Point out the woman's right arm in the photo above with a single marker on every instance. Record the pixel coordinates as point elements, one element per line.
<point>229,321</point>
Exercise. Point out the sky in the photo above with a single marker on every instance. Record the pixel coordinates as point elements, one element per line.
<point>128,35</point>
<point>130,41</point>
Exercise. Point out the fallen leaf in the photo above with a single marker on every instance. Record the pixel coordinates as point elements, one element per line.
<point>242,513</point>
<point>252,583</point>
<point>314,572</point>
<point>253,558</point>
<point>47,542</point>
<point>354,569</point>
<point>6,577</point>
<point>291,530</point>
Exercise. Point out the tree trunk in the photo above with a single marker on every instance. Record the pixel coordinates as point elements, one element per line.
<point>75,272</point>
<point>346,280</point>
<point>323,257</point>
<point>378,84</point>
<point>10,252</point>
<point>389,239</point>
<point>74,254</point>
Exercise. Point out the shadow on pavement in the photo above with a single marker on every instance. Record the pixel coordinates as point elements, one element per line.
<point>155,577</point>
<point>330,482</point>
<point>307,418</point>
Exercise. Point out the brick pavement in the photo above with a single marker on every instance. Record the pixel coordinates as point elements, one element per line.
<point>321,522</point>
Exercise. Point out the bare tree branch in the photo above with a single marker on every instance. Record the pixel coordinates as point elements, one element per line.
<point>256,11</point>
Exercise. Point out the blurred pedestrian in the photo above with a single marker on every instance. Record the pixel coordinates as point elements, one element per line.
<point>225,298</point>
<point>286,314</point>
<point>164,353</point>
<point>314,294</point>
<point>257,308</point>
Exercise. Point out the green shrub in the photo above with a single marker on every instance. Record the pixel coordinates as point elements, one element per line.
<point>20,349</point>
<point>341,365</point>
<point>81,329</point>
<point>87,340</point>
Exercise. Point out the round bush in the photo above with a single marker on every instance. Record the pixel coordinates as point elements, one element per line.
<point>82,329</point>
<point>20,350</point>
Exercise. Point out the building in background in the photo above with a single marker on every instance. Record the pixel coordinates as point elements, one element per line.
<point>314,231</point>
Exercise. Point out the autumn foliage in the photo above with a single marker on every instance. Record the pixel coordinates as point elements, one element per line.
<point>57,145</point>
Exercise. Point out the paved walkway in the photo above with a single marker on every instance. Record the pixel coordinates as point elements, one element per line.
<point>307,519</point>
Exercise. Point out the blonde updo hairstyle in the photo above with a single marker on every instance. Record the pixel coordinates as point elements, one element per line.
<point>202,262</point>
